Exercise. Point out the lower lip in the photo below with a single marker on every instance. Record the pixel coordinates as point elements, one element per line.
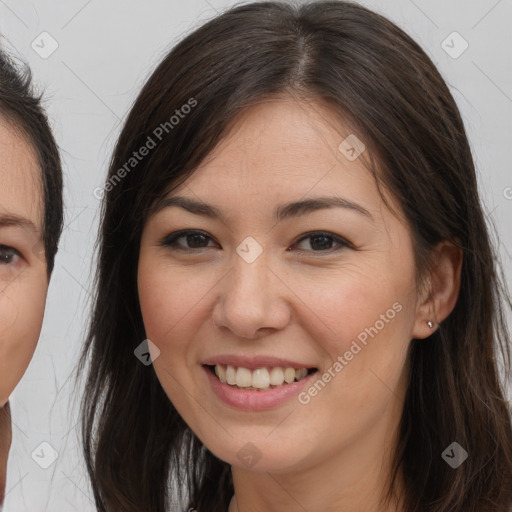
<point>250,400</point>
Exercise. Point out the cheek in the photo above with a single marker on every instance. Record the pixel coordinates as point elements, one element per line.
<point>170,299</point>
<point>363,324</point>
<point>21,317</point>
<point>170,303</point>
<point>351,304</point>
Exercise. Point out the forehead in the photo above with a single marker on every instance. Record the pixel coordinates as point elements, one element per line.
<point>284,149</point>
<point>21,191</point>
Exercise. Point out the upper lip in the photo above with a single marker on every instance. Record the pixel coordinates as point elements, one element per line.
<point>254,362</point>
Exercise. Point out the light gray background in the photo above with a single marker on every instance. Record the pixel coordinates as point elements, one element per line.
<point>105,51</point>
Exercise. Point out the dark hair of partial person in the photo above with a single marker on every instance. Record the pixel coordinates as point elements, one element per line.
<point>388,92</point>
<point>23,109</point>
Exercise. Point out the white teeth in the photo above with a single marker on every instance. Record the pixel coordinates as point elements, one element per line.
<point>276,376</point>
<point>289,375</point>
<point>220,372</point>
<point>300,374</point>
<point>230,375</point>
<point>243,377</point>
<point>261,378</point>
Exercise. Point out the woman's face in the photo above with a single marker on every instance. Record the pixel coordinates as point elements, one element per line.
<point>23,277</point>
<point>261,287</point>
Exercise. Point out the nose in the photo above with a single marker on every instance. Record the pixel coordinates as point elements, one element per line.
<point>253,300</point>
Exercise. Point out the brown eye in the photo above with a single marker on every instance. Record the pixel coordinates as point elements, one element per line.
<point>8,255</point>
<point>323,242</point>
<point>193,240</point>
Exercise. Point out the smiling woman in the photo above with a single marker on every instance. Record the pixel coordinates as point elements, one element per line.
<point>30,226</point>
<point>305,261</point>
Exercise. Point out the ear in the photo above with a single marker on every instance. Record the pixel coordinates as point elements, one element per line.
<point>441,289</point>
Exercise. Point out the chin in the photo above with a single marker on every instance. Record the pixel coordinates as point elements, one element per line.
<point>259,456</point>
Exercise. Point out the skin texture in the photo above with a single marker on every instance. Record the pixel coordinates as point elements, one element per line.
<point>23,276</point>
<point>304,303</point>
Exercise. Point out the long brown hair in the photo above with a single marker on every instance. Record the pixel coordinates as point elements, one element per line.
<point>139,452</point>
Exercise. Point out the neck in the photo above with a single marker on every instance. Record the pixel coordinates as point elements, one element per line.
<point>273,493</point>
<point>5,444</point>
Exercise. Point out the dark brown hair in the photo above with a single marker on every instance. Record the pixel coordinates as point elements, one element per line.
<point>23,108</point>
<point>392,96</point>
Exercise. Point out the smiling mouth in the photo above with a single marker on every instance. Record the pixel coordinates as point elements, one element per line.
<point>260,379</point>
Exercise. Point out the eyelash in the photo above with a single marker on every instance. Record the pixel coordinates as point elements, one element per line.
<point>12,253</point>
<point>170,241</point>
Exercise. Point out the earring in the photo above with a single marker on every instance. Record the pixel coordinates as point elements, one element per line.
<point>430,324</point>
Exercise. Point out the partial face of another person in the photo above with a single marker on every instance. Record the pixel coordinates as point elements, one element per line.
<point>262,289</point>
<point>23,275</point>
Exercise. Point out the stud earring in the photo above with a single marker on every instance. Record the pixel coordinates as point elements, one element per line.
<point>430,324</point>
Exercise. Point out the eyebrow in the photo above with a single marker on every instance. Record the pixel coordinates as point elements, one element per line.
<point>12,220</point>
<point>284,211</point>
